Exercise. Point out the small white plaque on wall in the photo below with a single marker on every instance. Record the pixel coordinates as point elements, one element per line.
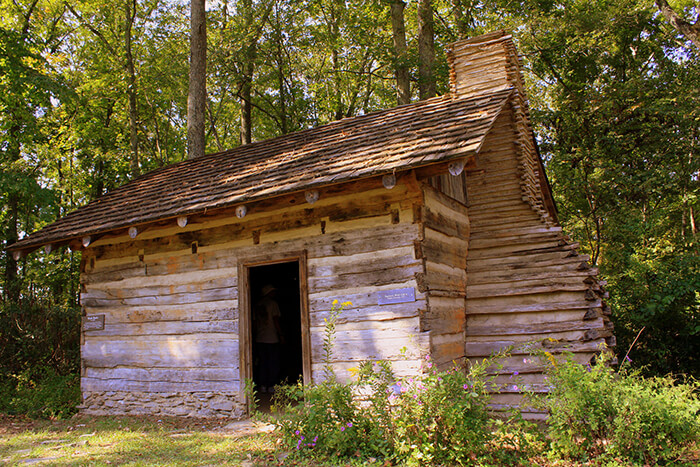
<point>93,322</point>
<point>388,297</point>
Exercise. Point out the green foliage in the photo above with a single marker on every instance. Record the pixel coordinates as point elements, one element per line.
<point>35,337</point>
<point>443,418</point>
<point>329,337</point>
<point>659,291</point>
<point>597,413</point>
<point>324,419</point>
<point>614,94</point>
<point>39,359</point>
<point>40,394</point>
<point>439,417</point>
<point>616,102</point>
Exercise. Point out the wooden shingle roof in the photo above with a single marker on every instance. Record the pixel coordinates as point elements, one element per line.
<point>397,139</point>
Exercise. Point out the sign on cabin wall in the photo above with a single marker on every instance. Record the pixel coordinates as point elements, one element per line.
<point>93,322</point>
<point>388,297</point>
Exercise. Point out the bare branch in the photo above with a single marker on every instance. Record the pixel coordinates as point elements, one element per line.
<point>89,26</point>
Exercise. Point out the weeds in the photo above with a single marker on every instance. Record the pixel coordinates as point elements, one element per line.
<point>444,418</point>
<point>597,412</point>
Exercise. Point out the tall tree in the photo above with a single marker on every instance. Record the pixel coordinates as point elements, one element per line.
<point>613,78</point>
<point>282,90</point>
<point>28,29</point>
<point>462,22</point>
<point>401,68</point>
<point>129,17</point>
<point>253,27</point>
<point>248,68</point>
<point>197,96</point>
<point>118,44</point>
<point>426,50</point>
<point>348,54</point>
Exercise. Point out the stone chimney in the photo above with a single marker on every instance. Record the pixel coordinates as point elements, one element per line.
<point>484,63</point>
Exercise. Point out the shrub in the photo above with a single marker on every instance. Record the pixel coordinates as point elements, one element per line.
<point>598,412</point>
<point>442,417</point>
<point>40,394</point>
<point>437,417</point>
<point>324,419</point>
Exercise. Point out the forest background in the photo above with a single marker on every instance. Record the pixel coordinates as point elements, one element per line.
<point>94,93</point>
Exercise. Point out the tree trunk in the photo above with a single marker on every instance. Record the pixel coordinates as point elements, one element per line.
<point>248,68</point>
<point>130,14</point>
<point>332,24</point>
<point>688,29</point>
<point>426,50</point>
<point>12,283</point>
<point>250,51</point>
<point>339,113</point>
<point>398,27</point>
<point>462,21</point>
<point>284,125</point>
<point>196,98</point>
<point>11,286</point>
<point>246,107</point>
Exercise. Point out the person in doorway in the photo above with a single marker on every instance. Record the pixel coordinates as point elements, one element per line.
<point>268,338</point>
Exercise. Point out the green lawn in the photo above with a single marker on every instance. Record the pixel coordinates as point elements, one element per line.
<point>134,441</point>
<point>102,441</point>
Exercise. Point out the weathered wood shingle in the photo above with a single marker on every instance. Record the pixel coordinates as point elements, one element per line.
<point>397,139</point>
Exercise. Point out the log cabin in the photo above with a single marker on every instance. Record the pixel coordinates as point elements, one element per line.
<point>434,219</point>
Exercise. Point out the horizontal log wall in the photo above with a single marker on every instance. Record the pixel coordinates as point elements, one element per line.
<point>171,314</point>
<point>444,251</point>
<point>526,281</point>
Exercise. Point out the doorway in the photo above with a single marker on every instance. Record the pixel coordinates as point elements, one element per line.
<point>276,323</point>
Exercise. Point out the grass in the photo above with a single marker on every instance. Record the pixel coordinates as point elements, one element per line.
<point>132,441</point>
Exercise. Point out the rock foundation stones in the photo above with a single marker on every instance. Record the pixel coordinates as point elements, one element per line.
<point>183,404</point>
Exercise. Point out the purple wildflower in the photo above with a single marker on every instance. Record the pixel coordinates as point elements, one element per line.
<point>349,424</point>
<point>342,428</point>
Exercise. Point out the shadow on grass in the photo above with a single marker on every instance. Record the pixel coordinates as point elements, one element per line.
<point>134,441</point>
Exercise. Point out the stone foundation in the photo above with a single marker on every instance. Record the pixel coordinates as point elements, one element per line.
<point>179,404</point>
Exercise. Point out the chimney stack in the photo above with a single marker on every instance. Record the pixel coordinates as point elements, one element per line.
<point>484,64</point>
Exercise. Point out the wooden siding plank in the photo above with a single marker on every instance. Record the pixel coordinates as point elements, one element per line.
<point>201,350</point>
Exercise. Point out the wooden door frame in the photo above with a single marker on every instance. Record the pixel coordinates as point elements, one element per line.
<point>245,338</point>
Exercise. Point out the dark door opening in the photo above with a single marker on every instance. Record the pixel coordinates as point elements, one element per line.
<point>276,327</point>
